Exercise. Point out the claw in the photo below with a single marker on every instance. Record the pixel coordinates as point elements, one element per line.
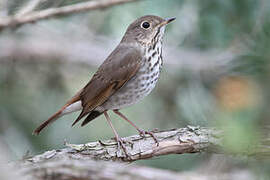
<point>120,144</point>
<point>143,133</point>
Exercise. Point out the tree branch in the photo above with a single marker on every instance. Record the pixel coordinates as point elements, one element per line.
<point>77,161</point>
<point>66,169</point>
<point>61,11</point>
<point>40,47</point>
<point>178,141</point>
<point>28,7</point>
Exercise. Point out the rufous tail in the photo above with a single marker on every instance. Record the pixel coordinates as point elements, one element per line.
<point>58,114</point>
<point>49,121</point>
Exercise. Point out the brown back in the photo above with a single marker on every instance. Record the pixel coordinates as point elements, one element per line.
<point>121,65</point>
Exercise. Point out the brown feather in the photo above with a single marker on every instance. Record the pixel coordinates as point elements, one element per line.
<point>57,114</point>
<point>91,116</point>
<point>94,103</point>
<point>118,68</point>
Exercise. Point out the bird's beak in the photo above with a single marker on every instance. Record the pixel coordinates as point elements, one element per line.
<point>167,21</point>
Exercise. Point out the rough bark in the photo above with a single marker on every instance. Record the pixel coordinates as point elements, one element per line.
<point>175,141</point>
<point>78,161</point>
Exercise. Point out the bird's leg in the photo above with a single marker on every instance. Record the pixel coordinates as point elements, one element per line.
<point>141,132</point>
<point>120,142</point>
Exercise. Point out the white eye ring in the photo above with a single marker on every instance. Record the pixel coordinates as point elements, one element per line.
<point>145,25</point>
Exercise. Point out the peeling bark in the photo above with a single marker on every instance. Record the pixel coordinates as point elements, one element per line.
<point>85,161</point>
<point>175,141</point>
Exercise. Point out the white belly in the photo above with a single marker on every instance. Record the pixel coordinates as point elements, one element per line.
<point>138,87</point>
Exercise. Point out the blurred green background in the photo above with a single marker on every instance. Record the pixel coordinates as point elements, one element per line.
<point>216,73</point>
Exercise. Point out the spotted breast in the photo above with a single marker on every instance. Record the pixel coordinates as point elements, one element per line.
<point>143,82</point>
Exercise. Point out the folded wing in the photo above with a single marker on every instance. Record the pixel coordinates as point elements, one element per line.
<point>118,69</point>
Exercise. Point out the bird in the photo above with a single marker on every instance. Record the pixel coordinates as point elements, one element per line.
<point>126,76</point>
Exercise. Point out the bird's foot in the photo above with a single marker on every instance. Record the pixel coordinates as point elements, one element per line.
<point>121,145</point>
<point>143,134</point>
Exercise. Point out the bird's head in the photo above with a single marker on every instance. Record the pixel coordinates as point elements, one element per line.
<point>146,30</point>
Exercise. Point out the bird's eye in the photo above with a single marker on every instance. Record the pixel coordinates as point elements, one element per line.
<point>145,25</point>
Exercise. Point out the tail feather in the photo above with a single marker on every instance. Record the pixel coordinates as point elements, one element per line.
<point>66,109</point>
<point>91,116</point>
<point>83,113</point>
<point>46,123</point>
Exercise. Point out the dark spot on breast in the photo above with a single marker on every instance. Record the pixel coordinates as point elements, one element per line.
<point>142,90</point>
<point>156,35</point>
<point>154,53</point>
<point>156,63</point>
<point>155,44</point>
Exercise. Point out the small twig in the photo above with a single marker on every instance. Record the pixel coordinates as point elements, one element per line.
<point>28,7</point>
<point>61,11</point>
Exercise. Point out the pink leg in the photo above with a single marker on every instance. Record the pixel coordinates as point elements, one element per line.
<point>120,142</point>
<point>141,132</point>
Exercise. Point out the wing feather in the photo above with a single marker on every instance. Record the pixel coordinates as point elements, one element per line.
<point>118,69</point>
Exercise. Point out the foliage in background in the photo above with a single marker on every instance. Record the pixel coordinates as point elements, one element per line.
<point>234,96</point>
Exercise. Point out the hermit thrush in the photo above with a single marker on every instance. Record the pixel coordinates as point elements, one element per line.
<point>129,74</point>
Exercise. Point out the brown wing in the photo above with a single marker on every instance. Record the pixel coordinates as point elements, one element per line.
<point>119,67</point>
